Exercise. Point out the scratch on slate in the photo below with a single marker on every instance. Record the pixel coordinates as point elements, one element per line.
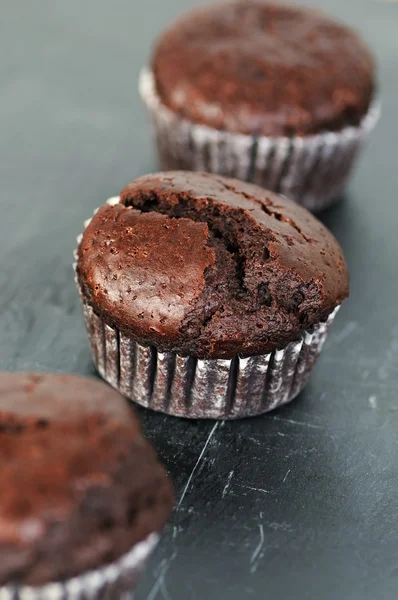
<point>281,526</point>
<point>286,476</point>
<point>160,584</point>
<point>302,423</point>
<point>249,487</point>
<point>345,332</point>
<point>165,591</point>
<point>373,402</point>
<point>252,439</point>
<point>212,432</point>
<point>226,488</point>
<point>256,553</point>
<point>156,587</point>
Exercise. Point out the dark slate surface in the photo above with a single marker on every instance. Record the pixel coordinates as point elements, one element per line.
<point>302,503</point>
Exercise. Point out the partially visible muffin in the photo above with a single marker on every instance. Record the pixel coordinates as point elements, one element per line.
<point>81,487</point>
<point>274,94</point>
<point>189,274</point>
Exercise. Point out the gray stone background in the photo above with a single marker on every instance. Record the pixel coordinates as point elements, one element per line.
<point>301,503</point>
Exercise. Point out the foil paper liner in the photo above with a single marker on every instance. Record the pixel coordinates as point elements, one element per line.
<point>111,582</point>
<point>312,170</point>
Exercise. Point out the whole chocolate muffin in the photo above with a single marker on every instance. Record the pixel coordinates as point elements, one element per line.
<point>255,90</point>
<point>82,491</point>
<point>198,291</point>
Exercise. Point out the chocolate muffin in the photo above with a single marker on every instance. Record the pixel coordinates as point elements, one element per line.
<point>205,296</point>
<point>82,490</point>
<point>278,95</point>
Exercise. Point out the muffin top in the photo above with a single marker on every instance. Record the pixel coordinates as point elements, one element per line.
<point>79,484</point>
<point>264,69</point>
<point>208,266</point>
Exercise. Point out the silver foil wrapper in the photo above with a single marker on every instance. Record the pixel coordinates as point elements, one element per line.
<point>111,582</point>
<point>312,170</point>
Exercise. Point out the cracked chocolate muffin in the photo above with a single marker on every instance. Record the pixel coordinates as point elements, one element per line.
<point>266,92</point>
<point>206,296</point>
<point>81,488</point>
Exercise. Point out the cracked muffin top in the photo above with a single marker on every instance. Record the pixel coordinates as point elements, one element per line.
<point>208,266</point>
<point>264,68</point>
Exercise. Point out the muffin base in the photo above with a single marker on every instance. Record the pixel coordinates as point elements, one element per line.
<point>113,581</point>
<point>312,170</point>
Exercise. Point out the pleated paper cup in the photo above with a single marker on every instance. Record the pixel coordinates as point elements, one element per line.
<point>111,582</point>
<point>312,170</point>
<point>185,386</point>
